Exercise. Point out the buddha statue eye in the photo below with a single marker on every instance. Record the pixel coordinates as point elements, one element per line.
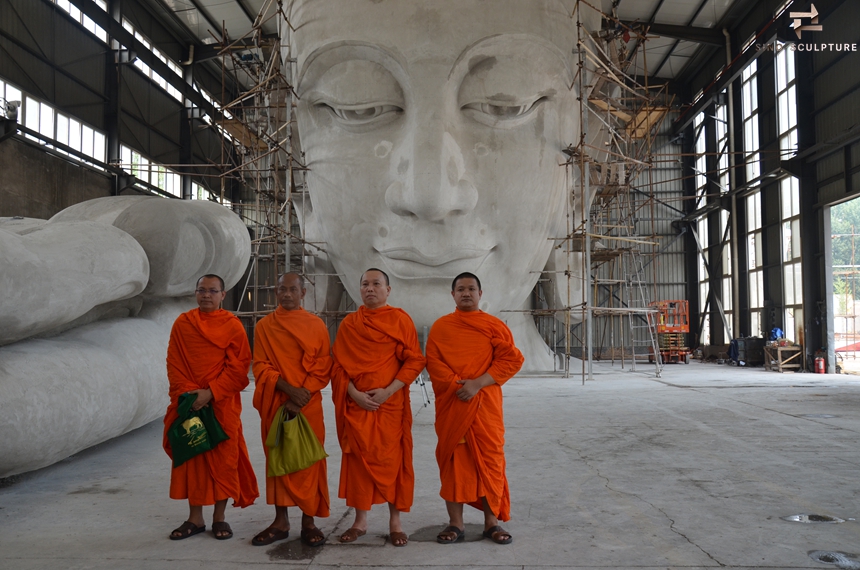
<point>496,114</point>
<point>362,115</point>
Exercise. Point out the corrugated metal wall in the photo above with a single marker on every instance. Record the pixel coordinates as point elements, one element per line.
<point>659,196</point>
<point>669,271</point>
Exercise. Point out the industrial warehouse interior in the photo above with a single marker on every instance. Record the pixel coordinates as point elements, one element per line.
<point>657,195</point>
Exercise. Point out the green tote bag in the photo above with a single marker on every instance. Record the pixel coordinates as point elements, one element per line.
<point>292,444</point>
<point>193,432</point>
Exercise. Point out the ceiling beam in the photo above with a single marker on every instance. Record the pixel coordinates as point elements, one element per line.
<point>211,51</point>
<point>737,12</point>
<point>740,61</point>
<point>124,37</point>
<point>688,33</point>
<point>677,41</point>
<point>216,27</point>
<point>636,43</point>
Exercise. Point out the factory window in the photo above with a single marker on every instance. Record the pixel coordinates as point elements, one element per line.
<point>150,172</point>
<point>83,20</point>
<point>198,192</point>
<point>749,105</point>
<point>789,191</point>
<point>755,264</point>
<point>726,276</point>
<point>162,177</point>
<point>786,101</point>
<point>148,71</point>
<point>10,94</point>
<point>704,280</point>
<point>721,124</point>
<point>845,248</point>
<point>80,137</point>
<point>42,118</point>
<point>701,167</point>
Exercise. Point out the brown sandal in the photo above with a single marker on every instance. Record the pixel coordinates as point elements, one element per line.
<point>352,534</point>
<point>269,536</point>
<point>498,535</point>
<point>309,534</point>
<point>398,538</point>
<point>185,530</point>
<point>450,535</point>
<point>222,526</point>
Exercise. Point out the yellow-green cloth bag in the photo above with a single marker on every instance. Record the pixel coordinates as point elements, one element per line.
<point>292,444</point>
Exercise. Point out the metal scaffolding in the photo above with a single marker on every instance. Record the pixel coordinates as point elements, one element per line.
<point>269,168</point>
<point>610,238</point>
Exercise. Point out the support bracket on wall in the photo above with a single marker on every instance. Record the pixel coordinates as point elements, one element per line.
<point>8,127</point>
<point>122,181</point>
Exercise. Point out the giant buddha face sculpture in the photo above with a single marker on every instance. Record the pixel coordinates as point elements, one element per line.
<point>433,133</point>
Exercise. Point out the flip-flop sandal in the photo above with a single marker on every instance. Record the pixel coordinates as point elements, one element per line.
<point>185,530</point>
<point>269,536</point>
<point>222,526</point>
<point>398,538</point>
<point>352,534</point>
<point>460,535</point>
<point>493,532</point>
<point>310,533</point>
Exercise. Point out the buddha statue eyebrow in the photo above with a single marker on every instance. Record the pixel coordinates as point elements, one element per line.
<point>482,63</point>
<point>477,58</point>
<point>353,50</point>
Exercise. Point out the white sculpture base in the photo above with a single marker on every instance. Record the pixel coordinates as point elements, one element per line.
<point>63,394</point>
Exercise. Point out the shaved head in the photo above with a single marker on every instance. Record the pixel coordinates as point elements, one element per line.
<point>286,277</point>
<point>384,274</point>
<point>290,291</point>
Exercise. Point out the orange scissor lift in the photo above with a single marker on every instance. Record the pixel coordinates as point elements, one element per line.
<point>672,324</point>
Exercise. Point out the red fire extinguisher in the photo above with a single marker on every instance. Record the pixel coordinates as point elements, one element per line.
<point>819,365</point>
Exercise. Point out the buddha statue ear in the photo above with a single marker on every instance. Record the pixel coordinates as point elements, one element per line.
<point>324,289</point>
<point>567,255</point>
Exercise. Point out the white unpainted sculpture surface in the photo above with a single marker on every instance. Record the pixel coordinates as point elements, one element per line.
<point>183,241</point>
<point>434,133</point>
<point>95,291</point>
<point>61,395</point>
<point>55,273</point>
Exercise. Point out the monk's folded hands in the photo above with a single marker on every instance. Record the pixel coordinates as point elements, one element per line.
<point>299,395</point>
<point>470,388</point>
<point>380,395</point>
<point>364,400</point>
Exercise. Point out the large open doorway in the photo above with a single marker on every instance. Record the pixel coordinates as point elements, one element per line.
<point>845,253</point>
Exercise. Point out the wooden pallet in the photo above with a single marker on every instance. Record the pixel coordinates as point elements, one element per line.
<point>782,358</point>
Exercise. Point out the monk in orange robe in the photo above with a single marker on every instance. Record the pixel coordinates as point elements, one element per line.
<point>376,357</point>
<point>209,355</point>
<point>292,363</point>
<point>470,354</point>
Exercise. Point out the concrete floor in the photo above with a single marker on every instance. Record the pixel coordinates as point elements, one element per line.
<point>691,470</point>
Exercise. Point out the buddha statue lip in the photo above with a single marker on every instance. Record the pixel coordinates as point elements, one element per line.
<point>411,263</point>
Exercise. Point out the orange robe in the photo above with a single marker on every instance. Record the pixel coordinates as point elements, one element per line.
<point>372,348</point>
<point>293,345</point>
<point>471,435</point>
<point>210,350</point>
